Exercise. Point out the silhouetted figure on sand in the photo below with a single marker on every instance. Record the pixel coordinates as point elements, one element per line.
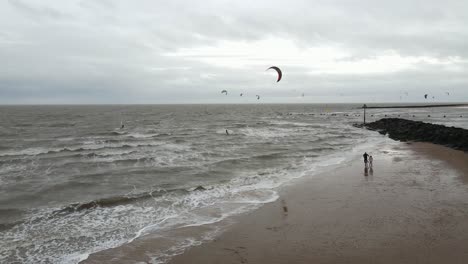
<point>365,156</point>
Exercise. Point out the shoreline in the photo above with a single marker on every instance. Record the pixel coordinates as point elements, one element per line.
<point>417,106</point>
<point>136,248</point>
<point>412,209</point>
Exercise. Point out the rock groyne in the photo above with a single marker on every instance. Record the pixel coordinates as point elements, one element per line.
<point>408,130</point>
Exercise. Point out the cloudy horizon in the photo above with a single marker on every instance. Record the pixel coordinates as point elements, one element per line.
<point>152,52</point>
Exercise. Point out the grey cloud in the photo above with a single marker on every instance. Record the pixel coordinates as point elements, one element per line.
<point>115,51</point>
<point>35,11</point>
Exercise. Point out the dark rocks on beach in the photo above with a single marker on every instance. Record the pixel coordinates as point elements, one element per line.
<point>408,130</point>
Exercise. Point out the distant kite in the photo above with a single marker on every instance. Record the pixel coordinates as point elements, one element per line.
<point>280,74</point>
<point>425,96</point>
<point>302,94</point>
<point>224,91</point>
<point>258,97</point>
<point>447,93</point>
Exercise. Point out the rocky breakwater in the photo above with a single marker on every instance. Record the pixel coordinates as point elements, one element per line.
<point>408,130</point>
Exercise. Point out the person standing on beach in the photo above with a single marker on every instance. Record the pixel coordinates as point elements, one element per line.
<point>370,160</point>
<point>365,158</point>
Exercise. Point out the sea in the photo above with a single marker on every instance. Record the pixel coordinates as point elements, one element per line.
<point>75,180</point>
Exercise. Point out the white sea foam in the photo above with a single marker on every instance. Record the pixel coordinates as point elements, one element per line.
<point>292,123</point>
<point>266,133</point>
<point>88,146</point>
<point>142,135</point>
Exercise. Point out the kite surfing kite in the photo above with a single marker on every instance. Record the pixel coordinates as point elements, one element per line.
<point>258,97</point>
<point>425,96</point>
<point>241,94</point>
<point>280,74</point>
<point>224,91</point>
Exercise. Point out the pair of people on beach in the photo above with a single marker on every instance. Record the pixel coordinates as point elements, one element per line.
<point>367,159</point>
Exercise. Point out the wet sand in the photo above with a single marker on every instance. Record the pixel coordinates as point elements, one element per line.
<point>412,207</point>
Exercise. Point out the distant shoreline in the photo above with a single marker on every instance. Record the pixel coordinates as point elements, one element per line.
<point>416,106</point>
<point>325,104</point>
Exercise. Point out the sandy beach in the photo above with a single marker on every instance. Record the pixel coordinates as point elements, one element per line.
<point>412,207</point>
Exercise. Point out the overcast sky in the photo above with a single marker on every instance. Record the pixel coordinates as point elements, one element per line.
<point>149,51</point>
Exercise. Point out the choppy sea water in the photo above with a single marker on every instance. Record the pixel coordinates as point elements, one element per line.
<point>73,182</point>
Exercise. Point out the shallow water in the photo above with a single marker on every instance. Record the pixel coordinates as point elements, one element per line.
<point>72,182</point>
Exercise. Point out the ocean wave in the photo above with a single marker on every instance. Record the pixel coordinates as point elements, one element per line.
<point>163,135</point>
<point>10,211</point>
<point>267,132</point>
<point>10,217</point>
<point>295,124</point>
<point>240,125</point>
<point>62,125</point>
<point>141,135</point>
<point>90,147</point>
<point>269,156</point>
<point>3,147</point>
<point>118,200</point>
<point>10,225</point>
<point>10,168</point>
<point>24,124</point>
<point>116,132</point>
